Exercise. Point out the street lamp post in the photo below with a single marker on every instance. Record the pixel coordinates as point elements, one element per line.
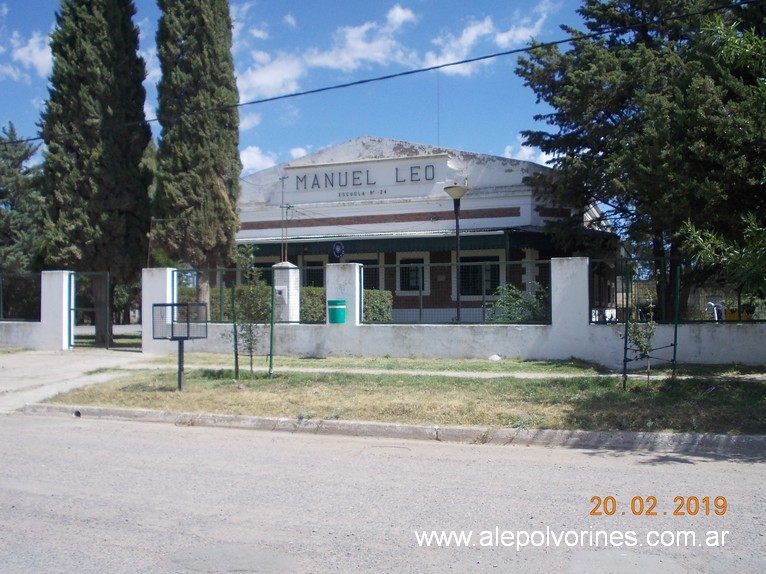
<point>456,192</point>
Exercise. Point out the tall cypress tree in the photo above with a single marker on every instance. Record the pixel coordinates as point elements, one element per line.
<point>96,133</point>
<point>198,164</point>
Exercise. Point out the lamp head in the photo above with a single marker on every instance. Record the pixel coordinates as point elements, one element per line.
<point>456,191</point>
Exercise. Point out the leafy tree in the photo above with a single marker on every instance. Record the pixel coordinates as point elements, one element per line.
<point>253,304</point>
<point>22,211</point>
<point>198,164</point>
<point>96,133</point>
<point>651,125</point>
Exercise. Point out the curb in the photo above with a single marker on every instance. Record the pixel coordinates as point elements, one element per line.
<point>686,443</point>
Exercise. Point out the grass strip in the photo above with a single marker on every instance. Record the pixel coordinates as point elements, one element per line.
<point>589,402</point>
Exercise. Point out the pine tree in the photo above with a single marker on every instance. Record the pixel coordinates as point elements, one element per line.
<point>650,123</point>
<point>96,133</point>
<point>198,164</point>
<point>21,207</point>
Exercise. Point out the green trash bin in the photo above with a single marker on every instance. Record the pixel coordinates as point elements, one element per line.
<point>336,311</point>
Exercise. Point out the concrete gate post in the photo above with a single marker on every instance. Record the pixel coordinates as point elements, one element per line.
<point>56,301</point>
<point>343,282</point>
<point>287,293</point>
<point>569,295</point>
<point>157,286</point>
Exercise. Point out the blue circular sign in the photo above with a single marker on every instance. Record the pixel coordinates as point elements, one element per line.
<point>338,250</point>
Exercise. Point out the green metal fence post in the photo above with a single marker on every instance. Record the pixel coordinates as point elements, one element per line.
<point>271,333</point>
<point>629,281</point>
<point>675,320</point>
<point>236,341</point>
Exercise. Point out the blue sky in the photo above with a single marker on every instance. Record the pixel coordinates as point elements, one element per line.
<point>286,47</point>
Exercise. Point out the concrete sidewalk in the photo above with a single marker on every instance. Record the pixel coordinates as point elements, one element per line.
<point>29,377</point>
<point>33,376</point>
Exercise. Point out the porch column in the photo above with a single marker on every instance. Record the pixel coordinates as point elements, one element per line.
<point>530,269</point>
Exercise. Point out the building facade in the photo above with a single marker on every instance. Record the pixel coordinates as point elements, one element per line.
<point>382,203</point>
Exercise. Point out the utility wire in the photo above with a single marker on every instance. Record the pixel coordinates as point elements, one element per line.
<point>386,77</point>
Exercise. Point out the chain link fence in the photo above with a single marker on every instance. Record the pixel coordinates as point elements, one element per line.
<point>412,291</point>
<point>20,297</point>
<point>665,291</point>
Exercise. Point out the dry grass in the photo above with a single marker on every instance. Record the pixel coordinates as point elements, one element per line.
<point>390,363</point>
<point>590,402</point>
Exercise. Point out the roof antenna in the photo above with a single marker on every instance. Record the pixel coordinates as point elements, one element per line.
<point>438,107</point>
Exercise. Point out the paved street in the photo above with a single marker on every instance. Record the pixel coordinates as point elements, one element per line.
<point>93,496</point>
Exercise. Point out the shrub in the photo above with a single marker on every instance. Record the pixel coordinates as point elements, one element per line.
<point>516,306</point>
<point>313,305</point>
<point>378,306</point>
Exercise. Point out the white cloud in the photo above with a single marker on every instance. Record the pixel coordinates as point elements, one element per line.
<point>370,42</point>
<point>290,21</point>
<point>7,71</point>
<point>398,17</point>
<point>33,53</point>
<point>238,14</point>
<point>149,112</point>
<point>254,159</point>
<point>451,48</point>
<point>377,43</point>
<point>269,77</point>
<point>297,152</point>
<point>259,33</point>
<point>519,35</point>
<point>526,153</point>
<point>249,121</point>
<point>153,70</point>
<point>526,28</point>
<point>145,30</point>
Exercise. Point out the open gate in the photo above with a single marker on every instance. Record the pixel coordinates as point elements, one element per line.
<point>90,309</point>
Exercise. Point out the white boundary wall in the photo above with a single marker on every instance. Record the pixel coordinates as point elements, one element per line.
<point>54,329</point>
<point>569,336</point>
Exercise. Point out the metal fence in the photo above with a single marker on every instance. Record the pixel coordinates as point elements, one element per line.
<point>20,297</point>
<point>665,291</point>
<point>412,291</point>
<point>473,292</point>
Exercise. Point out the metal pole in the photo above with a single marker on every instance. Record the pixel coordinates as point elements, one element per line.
<point>629,277</point>
<point>108,310</point>
<point>235,329</point>
<point>180,364</point>
<point>675,319</point>
<point>457,252</point>
<point>271,334</point>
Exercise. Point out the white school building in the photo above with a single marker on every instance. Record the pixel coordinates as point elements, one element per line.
<point>382,202</point>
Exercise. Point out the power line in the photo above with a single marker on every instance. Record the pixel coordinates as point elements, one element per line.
<point>406,73</point>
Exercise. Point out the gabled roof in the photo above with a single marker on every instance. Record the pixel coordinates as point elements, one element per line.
<point>374,147</point>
